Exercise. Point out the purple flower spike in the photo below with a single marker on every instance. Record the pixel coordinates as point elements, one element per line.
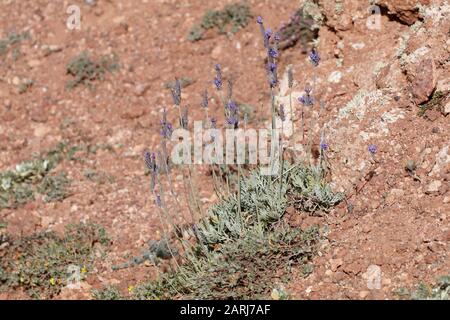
<point>166,127</point>
<point>306,100</point>
<point>273,53</point>
<point>218,78</point>
<point>259,20</point>
<point>158,200</point>
<point>232,107</point>
<point>314,57</point>
<point>213,123</point>
<point>150,161</point>
<point>282,113</point>
<point>324,146</point>
<point>373,149</point>
<point>233,121</point>
<point>268,33</point>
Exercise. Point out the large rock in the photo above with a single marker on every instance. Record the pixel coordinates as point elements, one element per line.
<point>423,81</point>
<point>406,11</point>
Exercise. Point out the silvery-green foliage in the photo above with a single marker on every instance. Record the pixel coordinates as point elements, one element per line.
<point>440,292</point>
<point>261,204</point>
<point>310,192</point>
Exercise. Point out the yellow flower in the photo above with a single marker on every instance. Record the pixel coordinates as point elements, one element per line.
<point>84,270</point>
<point>52,281</point>
<point>130,289</point>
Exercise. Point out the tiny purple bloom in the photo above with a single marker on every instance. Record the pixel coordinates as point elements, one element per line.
<point>259,20</point>
<point>213,123</point>
<point>314,57</point>
<point>324,146</point>
<point>306,100</point>
<point>218,77</point>
<point>373,149</point>
<point>158,200</point>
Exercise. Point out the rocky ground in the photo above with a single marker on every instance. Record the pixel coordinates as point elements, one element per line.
<point>373,85</point>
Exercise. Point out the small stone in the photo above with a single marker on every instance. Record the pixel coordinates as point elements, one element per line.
<point>433,187</point>
<point>335,77</point>
<point>33,63</point>
<point>141,89</point>
<point>424,81</point>
<point>16,81</point>
<point>328,273</point>
<point>41,130</point>
<point>133,113</point>
<point>364,294</point>
<point>335,264</point>
<point>446,109</point>
<point>373,277</point>
<point>217,52</point>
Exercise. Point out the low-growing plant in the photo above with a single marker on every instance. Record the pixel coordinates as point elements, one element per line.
<point>300,28</point>
<point>12,41</point>
<point>436,101</point>
<point>19,185</point>
<point>243,242</point>
<point>86,70</point>
<point>231,19</point>
<point>54,188</point>
<point>440,291</point>
<point>41,263</point>
<point>107,293</point>
<point>238,254</point>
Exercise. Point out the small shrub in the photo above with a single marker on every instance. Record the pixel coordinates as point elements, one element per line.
<point>19,186</point>
<point>300,28</point>
<point>108,293</point>
<point>12,41</point>
<point>441,291</point>
<point>54,188</point>
<point>39,263</point>
<point>85,70</point>
<point>436,101</point>
<point>310,192</point>
<point>231,19</point>
<point>239,253</point>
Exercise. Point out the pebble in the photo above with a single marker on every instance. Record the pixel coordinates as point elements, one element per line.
<point>335,264</point>
<point>434,186</point>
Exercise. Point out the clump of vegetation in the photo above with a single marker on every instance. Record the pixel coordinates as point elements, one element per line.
<point>54,188</point>
<point>440,291</point>
<point>301,27</point>
<point>12,42</point>
<point>231,19</point>
<point>311,193</point>
<point>107,293</point>
<point>41,263</point>
<point>19,186</point>
<point>86,70</point>
<point>239,253</point>
<point>437,100</point>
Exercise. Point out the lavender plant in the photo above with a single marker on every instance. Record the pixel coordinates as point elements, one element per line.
<point>240,224</point>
